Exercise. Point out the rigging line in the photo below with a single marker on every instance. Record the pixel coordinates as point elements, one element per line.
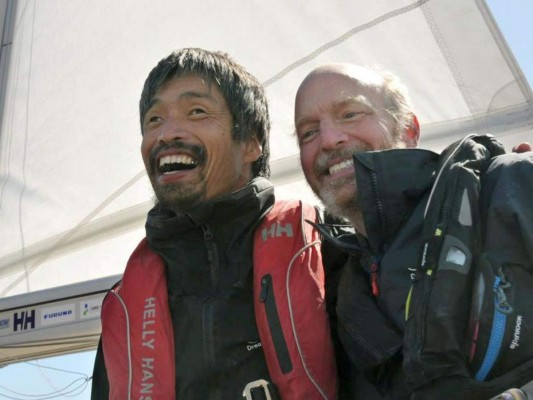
<point>45,376</point>
<point>27,275</point>
<point>62,392</point>
<point>83,377</point>
<point>56,369</point>
<point>11,116</point>
<point>342,38</point>
<point>496,94</point>
<point>41,369</point>
<point>70,233</point>
<point>527,118</point>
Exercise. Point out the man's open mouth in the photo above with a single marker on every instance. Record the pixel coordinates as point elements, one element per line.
<point>341,166</point>
<point>176,163</point>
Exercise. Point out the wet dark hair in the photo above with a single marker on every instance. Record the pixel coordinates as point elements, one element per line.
<point>244,94</point>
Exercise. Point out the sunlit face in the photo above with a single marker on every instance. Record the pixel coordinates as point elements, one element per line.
<point>335,116</point>
<point>187,147</point>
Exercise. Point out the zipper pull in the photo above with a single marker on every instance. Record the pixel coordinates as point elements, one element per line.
<point>265,281</point>
<point>374,267</point>
<point>208,235</point>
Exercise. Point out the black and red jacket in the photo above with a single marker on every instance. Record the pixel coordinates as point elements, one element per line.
<point>182,323</point>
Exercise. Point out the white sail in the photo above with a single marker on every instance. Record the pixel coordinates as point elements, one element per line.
<point>73,193</point>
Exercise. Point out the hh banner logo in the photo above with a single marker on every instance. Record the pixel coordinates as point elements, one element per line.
<point>24,320</point>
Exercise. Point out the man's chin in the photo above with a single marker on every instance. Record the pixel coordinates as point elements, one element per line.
<point>340,201</point>
<point>177,199</point>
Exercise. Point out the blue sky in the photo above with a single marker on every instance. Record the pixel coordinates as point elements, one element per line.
<point>514,18</point>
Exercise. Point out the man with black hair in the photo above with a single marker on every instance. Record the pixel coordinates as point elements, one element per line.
<point>201,311</point>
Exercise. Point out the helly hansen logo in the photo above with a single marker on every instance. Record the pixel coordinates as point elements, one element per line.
<point>277,230</point>
<point>24,321</point>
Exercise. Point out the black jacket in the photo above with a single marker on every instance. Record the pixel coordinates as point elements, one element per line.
<point>368,293</point>
<point>370,327</point>
<point>208,255</point>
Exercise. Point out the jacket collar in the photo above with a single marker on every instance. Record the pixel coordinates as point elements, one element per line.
<point>253,200</point>
<point>390,184</point>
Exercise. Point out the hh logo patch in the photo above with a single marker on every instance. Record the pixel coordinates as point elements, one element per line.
<point>277,230</point>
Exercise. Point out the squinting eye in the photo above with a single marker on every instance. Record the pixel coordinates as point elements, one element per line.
<point>152,121</point>
<point>308,136</point>
<point>197,111</point>
<point>352,114</point>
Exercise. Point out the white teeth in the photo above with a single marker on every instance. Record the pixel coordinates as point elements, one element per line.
<point>176,159</point>
<point>340,166</point>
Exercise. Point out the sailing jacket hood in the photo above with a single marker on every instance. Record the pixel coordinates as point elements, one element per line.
<point>391,183</point>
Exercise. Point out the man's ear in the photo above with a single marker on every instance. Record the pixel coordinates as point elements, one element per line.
<point>253,150</point>
<point>412,133</point>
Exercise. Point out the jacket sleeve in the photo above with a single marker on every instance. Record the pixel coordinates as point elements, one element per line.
<point>506,212</point>
<point>100,384</point>
<point>507,209</point>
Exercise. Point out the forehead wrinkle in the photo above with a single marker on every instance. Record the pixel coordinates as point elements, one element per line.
<point>359,99</point>
<point>338,104</point>
<point>195,94</point>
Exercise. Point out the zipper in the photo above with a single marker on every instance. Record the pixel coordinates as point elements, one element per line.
<point>447,206</point>
<point>374,276</point>
<point>379,203</point>
<point>499,324</point>
<point>374,267</point>
<point>370,350</point>
<point>212,253</point>
<point>266,296</point>
<point>208,333</point>
<point>207,308</point>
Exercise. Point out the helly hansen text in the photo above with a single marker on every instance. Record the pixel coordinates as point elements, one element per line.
<point>148,341</point>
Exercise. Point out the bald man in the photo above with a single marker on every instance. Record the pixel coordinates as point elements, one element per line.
<point>358,134</point>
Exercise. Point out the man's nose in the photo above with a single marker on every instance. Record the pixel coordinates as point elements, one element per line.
<point>173,129</point>
<point>332,135</point>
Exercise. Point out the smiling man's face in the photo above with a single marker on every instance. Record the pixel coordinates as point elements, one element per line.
<point>340,111</point>
<point>187,147</point>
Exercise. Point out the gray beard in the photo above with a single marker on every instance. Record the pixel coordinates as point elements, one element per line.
<point>345,210</point>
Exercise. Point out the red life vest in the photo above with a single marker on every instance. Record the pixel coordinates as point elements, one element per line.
<point>137,334</point>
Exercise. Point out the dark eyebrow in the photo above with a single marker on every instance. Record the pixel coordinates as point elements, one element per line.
<point>191,94</point>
